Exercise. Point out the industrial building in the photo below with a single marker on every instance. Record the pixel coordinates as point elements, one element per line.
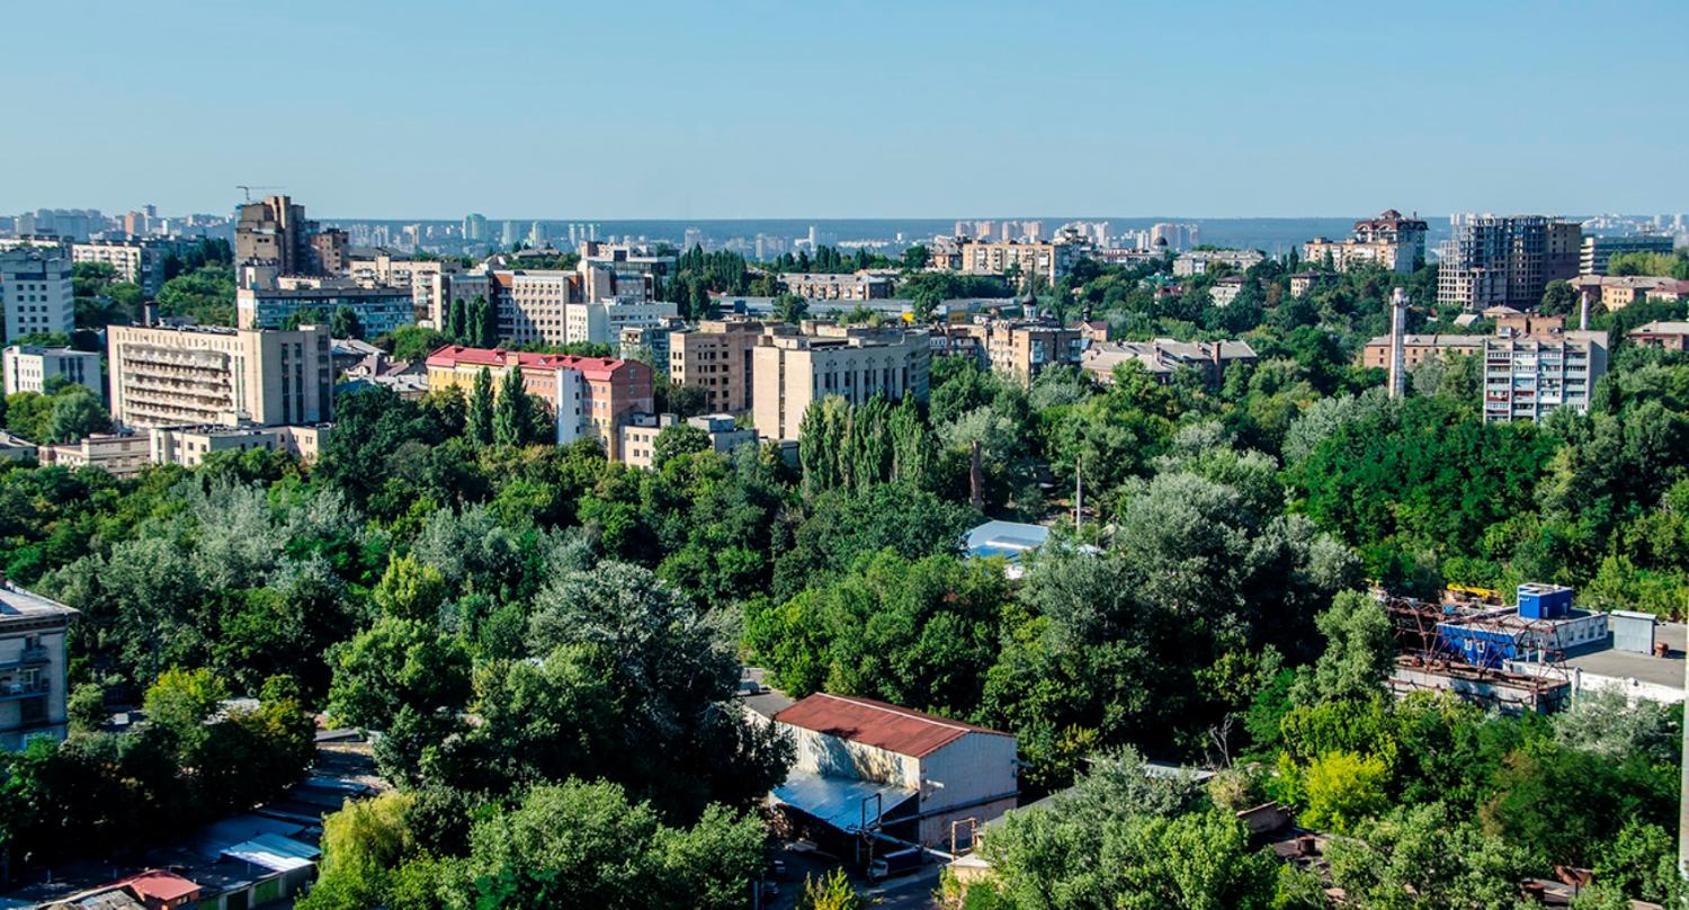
<point>1543,627</point>
<point>879,776</point>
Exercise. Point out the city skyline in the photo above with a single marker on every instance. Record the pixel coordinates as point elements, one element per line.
<point>756,112</point>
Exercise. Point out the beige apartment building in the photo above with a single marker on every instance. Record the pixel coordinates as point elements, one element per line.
<point>789,371</point>
<point>823,286</point>
<point>28,368</point>
<point>716,356</point>
<point>141,264</point>
<point>1416,349</point>
<point>428,279</point>
<point>1022,349</point>
<point>639,435</point>
<point>171,377</point>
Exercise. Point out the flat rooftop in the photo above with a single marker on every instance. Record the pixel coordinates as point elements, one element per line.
<point>16,603</point>
<point>1661,671</point>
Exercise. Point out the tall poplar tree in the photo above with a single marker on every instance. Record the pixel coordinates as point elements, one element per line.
<point>479,422</point>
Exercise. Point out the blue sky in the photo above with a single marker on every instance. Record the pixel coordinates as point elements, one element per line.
<point>806,109</point>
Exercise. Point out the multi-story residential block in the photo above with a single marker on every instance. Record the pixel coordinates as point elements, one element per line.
<point>649,343</point>
<point>1416,349</point>
<point>626,272</point>
<point>275,234</point>
<point>1049,260</point>
<point>1508,260</point>
<point>590,397</point>
<point>1021,349</point>
<point>33,666</point>
<point>639,435</point>
<point>1528,378</point>
<point>602,321</point>
<point>1198,262</point>
<point>36,290</point>
<point>379,309</point>
<point>428,279</point>
<point>790,370</point>
<point>1389,241</point>
<point>1303,283</point>
<point>188,446</point>
<point>1672,336</point>
<point>171,377</point>
<point>715,355</point>
<point>1598,250</point>
<point>137,262</point>
<point>328,252</point>
<point>1225,290</point>
<point>122,455</point>
<point>28,368</point>
<point>1162,358</point>
<point>823,286</point>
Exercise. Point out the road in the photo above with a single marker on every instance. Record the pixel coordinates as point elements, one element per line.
<point>906,892</point>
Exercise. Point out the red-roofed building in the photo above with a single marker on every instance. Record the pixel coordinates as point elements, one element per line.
<point>918,771</point>
<point>161,890</point>
<point>590,396</point>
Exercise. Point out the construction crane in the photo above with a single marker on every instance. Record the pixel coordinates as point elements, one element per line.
<point>248,189</point>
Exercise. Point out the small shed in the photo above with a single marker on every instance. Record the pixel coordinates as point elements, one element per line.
<point>1632,631</point>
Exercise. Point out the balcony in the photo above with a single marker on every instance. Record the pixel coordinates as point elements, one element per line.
<point>13,690</point>
<point>31,656</point>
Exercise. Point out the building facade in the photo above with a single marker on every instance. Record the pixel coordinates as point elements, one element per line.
<point>602,321</point>
<point>716,356</point>
<point>639,435</point>
<point>1416,349</point>
<point>1163,358</point>
<point>36,290</point>
<point>33,667</point>
<point>275,233</point>
<point>29,368</point>
<point>137,262</point>
<point>1528,378</point>
<point>589,397</point>
<point>1198,262</point>
<point>1389,241</point>
<point>1598,250</point>
<point>172,377</point>
<point>789,371</point>
<point>1505,260</point>
<point>823,286</point>
<point>380,310</point>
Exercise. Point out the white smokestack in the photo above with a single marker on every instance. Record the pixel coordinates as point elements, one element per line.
<point>1398,339</point>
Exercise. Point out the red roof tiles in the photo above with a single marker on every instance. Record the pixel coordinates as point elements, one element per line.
<point>592,367</point>
<point>874,723</point>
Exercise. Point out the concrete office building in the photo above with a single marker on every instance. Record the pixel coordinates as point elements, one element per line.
<point>589,397</point>
<point>1528,378</point>
<point>188,446</point>
<point>380,310</point>
<point>36,290</point>
<point>28,368</point>
<point>715,355</point>
<point>122,455</point>
<point>32,666</point>
<point>639,435</point>
<point>1598,250</point>
<point>169,377</point>
<point>428,280</point>
<point>1495,260</point>
<point>791,370</point>
<point>649,343</point>
<point>632,271</point>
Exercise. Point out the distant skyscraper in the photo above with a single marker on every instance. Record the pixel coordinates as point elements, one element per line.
<point>510,235</point>
<point>474,227</point>
<point>963,229</point>
<point>812,236</point>
<point>1034,231</point>
<point>693,237</point>
<point>536,234</point>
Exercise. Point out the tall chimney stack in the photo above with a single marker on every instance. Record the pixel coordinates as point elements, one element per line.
<point>1398,339</point>
<point>1583,308</point>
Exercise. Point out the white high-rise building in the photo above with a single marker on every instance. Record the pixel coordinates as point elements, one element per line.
<point>36,290</point>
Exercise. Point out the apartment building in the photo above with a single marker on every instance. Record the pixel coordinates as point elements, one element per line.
<point>189,446</point>
<point>789,371</point>
<point>715,355</point>
<point>1225,290</point>
<point>380,310</point>
<point>1616,292</point>
<point>1672,336</point>
<point>1198,262</point>
<point>122,455</point>
<point>1304,283</point>
<point>137,262</point>
<point>602,321</point>
<point>639,435</point>
<point>274,233</point>
<point>33,667</point>
<point>1505,260</point>
<point>1528,378</point>
<point>1049,260</point>
<point>649,342</point>
<point>193,376</point>
<point>590,397</point>
<point>28,368</point>
<point>329,251</point>
<point>626,272</point>
<point>428,280</point>
<point>1163,358</point>
<point>1598,250</point>
<point>1021,349</point>
<point>821,286</point>
<point>1389,241</point>
<point>36,291</point>
<point>1416,349</point>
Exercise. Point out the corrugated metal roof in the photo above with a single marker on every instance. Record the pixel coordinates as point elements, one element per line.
<point>838,801</point>
<point>272,851</point>
<point>877,724</point>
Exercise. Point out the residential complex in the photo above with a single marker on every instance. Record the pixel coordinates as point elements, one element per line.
<point>33,666</point>
<point>820,286</point>
<point>171,377</point>
<point>1048,260</point>
<point>138,262</point>
<point>380,310</point>
<point>1416,349</point>
<point>790,370</point>
<point>428,279</point>
<point>1672,336</point>
<point>589,397</point>
<point>1162,358</point>
<point>1598,250</point>
<point>715,355</point>
<point>275,235</point>
<point>36,291</point>
<point>1389,241</point>
<point>1198,262</point>
<point>1528,378</point>
<point>1014,348</point>
<point>1507,260</point>
<point>1615,292</point>
<point>29,368</point>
